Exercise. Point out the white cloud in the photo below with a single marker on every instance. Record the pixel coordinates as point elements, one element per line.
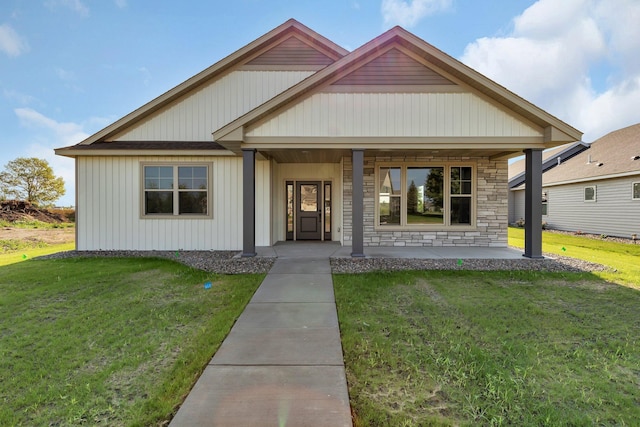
<point>75,5</point>
<point>49,134</point>
<point>552,52</point>
<point>65,133</point>
<point>10,42</point>
<point>121,3</point>
<point>407,13</point>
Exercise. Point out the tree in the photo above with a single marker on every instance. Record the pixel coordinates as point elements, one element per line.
<point>31,179</point>
<point>434,185</point>
<point>412,199</point>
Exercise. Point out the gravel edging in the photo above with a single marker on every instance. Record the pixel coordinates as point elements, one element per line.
<point>221,262</point>
<point>228,262</point>
<point>553,263</point>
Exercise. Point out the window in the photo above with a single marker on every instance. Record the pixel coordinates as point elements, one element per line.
<point>176,190</point>
<point>545,206</point>
<point>421,196</point>
<point>636,190</point>
<point>590,194</point>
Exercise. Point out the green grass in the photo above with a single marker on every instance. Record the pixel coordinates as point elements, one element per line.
<point>489,348</point>
<point>26,251</point>
<point>623,258</point>
<point>97,341</point>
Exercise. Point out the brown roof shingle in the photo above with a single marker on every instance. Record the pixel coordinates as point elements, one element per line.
<point>612,154</point>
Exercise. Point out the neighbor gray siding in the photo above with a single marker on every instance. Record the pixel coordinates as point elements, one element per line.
<point>614,213</point>
<point>516,205</point>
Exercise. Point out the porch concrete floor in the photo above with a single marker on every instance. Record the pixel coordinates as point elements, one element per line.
<point>335,250</point>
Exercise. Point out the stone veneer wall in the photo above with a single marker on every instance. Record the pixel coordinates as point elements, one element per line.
<point>491,206</point>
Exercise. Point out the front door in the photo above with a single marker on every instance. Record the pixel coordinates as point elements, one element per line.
<point>308,210</point>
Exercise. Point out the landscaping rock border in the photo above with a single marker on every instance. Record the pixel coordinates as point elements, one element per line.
<point>227,262</point>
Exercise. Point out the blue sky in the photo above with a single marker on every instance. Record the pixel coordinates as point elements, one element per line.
<point>70,67</point>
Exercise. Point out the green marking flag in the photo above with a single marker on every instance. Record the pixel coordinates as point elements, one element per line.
<point>459,262</point>
<point>564,249</point>
<point>24,256</point>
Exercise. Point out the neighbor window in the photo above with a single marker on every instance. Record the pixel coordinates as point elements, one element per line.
<point>590,194</point>
<point>422,196</point>
<point>173,190</point>
<point>545,205</point>
<point>636,190</point>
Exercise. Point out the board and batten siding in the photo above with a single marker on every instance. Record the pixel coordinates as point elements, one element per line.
<point>394,115</point>
<point>210,107</point>
<point>109,207</point>
<point>614,213</point>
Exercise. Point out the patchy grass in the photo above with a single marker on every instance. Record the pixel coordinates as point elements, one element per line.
<point>31,224</point>
<point>115,342</point>
<point>622,258</point>
<point>489,348</point>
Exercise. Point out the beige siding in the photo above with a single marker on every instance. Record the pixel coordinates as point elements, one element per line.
<point>109,207</point>
<point>516,206</point>
<point>284,172</point>
<point>394,115</point>
<point>196,116</point>
<point>614,213</point>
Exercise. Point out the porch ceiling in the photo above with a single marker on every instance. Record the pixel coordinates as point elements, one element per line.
<point>335,156</point>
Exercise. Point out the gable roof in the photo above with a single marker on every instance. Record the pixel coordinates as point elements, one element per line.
<point>303,37</point>
<point>556,131</point>
<point>615,154</point>
<point>550,159</point>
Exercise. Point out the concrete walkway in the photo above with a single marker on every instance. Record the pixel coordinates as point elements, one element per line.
<point>281,364</point>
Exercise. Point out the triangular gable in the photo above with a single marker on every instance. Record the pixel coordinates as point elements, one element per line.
<point>393,68</point>
<point>254,49</point>
<point>555,130</point>
<point>292,52</point>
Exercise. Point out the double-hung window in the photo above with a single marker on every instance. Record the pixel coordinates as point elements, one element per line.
<point>176,190</point>
<point>417,196</point>
<point>635,191</point>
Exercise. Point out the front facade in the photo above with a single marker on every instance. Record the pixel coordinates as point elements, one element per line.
<point>294,138</point>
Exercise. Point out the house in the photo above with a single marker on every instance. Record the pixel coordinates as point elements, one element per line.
<point>596,191</point>
<point>550,158</point>
<point>293,137</point>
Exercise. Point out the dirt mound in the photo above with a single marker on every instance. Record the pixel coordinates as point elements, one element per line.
<point>16,210</point>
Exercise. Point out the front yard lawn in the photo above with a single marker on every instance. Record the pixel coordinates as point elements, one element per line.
<point>496,348</point>
<point>104,341</point>
<point>490,348</point>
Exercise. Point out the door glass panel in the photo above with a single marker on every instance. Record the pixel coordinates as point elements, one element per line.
<point>327,208</point>
<point>308,198</point>
<point>289,208</point>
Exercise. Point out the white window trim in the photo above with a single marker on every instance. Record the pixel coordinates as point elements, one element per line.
<point>633,184</point>
<point>176,190</point>
<point>446,226</point>
<point>595,194</point>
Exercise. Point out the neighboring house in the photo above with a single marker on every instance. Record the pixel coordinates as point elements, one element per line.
<point>597,190</point>
<point>550,159</point>
<point>294,138</point>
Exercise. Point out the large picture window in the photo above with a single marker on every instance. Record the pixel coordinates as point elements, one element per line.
<point>417,196</point>
<point>174,190</point>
